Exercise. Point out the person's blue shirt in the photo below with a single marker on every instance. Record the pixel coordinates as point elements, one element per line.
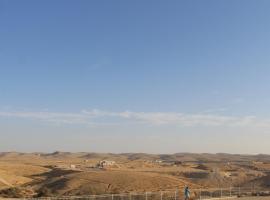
<point>187,192</point>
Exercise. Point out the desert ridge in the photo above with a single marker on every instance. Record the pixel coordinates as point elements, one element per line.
<point>65,173</point>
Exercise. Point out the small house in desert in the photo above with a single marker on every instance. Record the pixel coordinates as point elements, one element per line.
<point>106,163</point>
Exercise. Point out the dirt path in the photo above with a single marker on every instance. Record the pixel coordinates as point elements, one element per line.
<point>5,182</point>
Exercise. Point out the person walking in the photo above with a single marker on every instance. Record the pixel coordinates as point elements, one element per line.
<point>187,193</point>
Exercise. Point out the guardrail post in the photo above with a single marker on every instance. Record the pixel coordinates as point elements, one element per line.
<point>239,191</point>
<point>145,195</point>
<point>200,193</point>
<point>130,196</point>
<point>161,195</point>
<point>175,195</point>
<point>221,192</point>
<point>112,196</point>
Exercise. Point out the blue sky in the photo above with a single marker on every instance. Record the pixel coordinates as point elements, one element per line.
<point>157,72</point>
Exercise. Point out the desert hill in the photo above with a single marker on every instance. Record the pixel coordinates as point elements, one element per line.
<point>84,173</point>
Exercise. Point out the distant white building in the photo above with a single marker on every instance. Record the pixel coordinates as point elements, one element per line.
<point>105,163</point>
<point>73,166</point>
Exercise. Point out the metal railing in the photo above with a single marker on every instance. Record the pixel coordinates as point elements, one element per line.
<point>196,194</point>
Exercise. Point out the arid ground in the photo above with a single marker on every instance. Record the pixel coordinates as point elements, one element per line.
<point>64,173</point>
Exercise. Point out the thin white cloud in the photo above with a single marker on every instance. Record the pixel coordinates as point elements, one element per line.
<point>152,118</point>
<point>45,116</point>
